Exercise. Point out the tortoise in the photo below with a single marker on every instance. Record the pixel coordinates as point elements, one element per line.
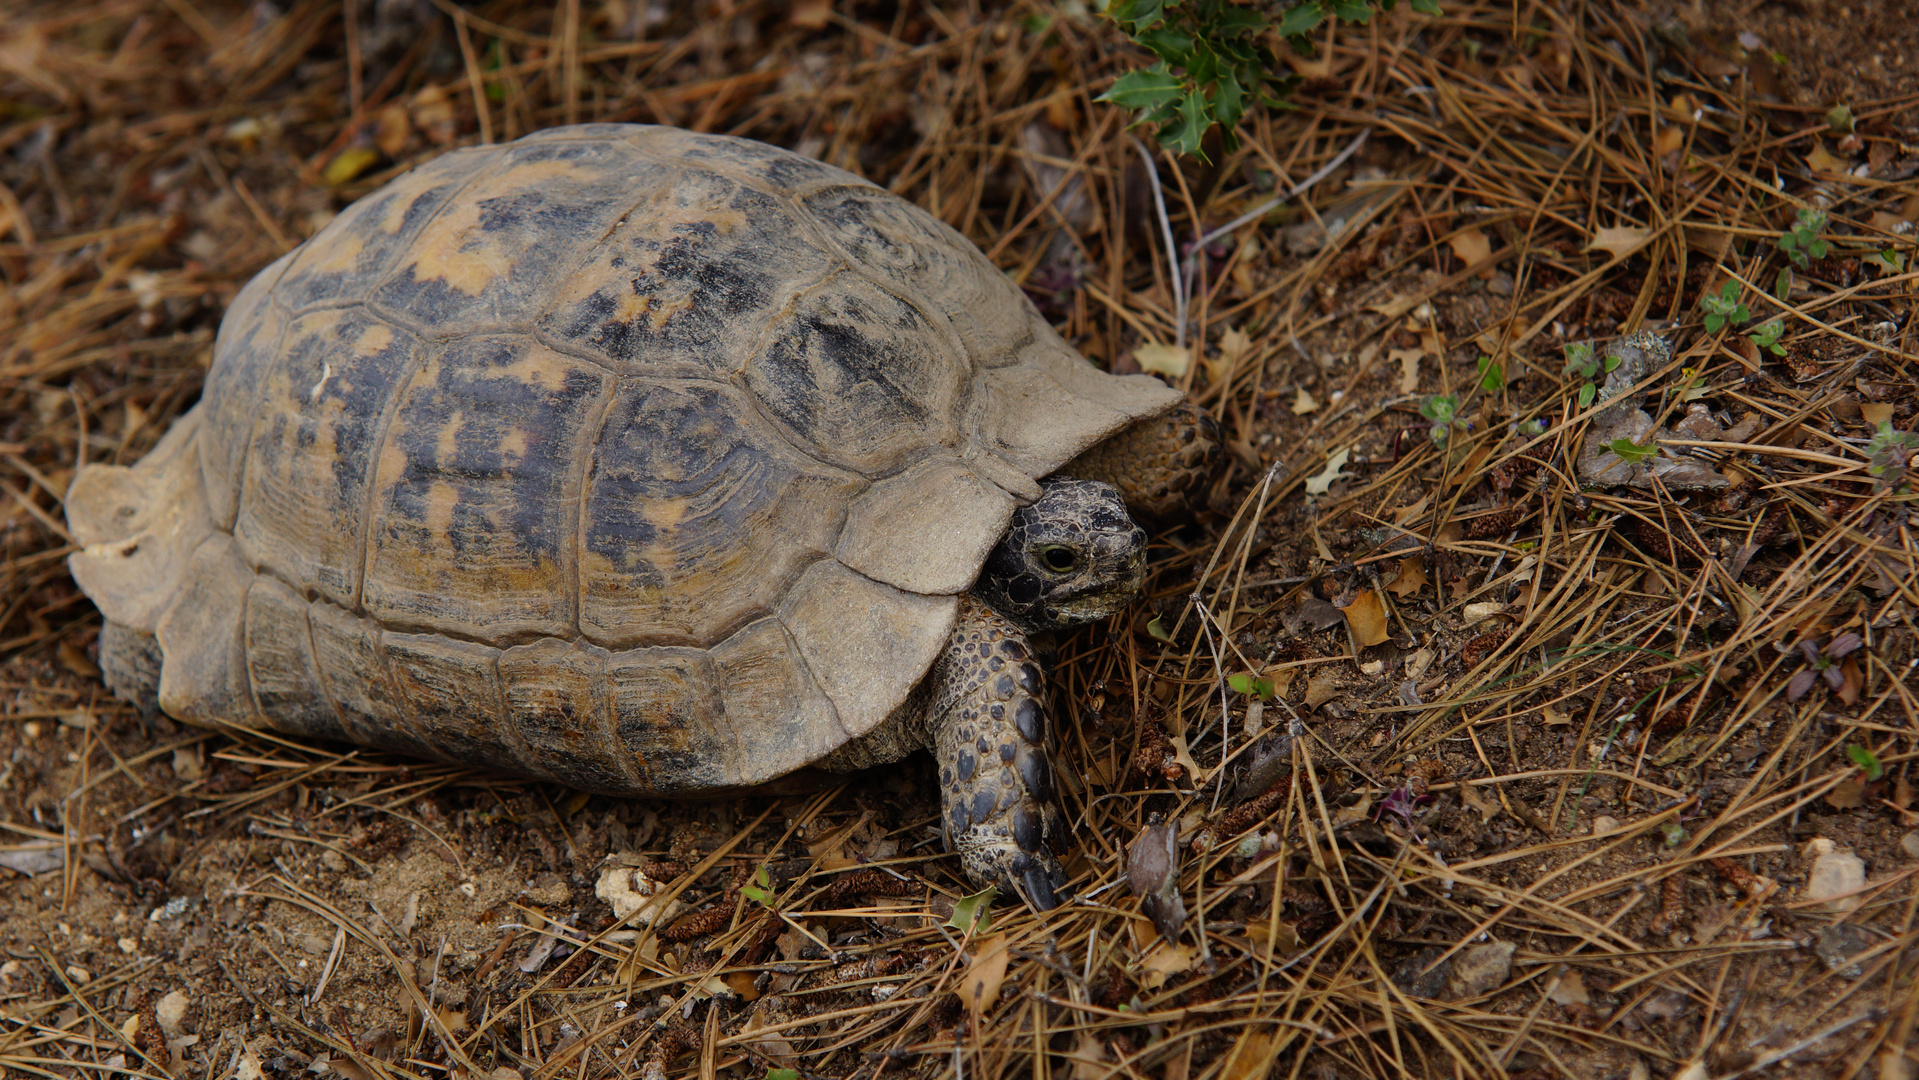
<point>648,462</point>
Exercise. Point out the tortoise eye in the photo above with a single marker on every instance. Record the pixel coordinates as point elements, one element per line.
<point>1059,559</point>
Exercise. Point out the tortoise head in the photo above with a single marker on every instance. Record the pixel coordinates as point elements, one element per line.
<point>1070,558</point>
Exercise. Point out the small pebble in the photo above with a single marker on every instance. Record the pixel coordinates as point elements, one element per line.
<point>1604,824</point>
<point>1834,875</point>
<point>1909,844</point>
<point>1481,969</point>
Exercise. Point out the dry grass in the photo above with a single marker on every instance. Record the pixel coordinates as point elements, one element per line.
<point>1528,181</point>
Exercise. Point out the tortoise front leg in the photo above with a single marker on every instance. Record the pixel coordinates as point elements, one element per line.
<point>988,727</point>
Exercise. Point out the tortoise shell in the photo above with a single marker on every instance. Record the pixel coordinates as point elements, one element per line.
<point>637,459</point>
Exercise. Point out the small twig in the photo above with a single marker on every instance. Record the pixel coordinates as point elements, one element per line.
<point>1172,249</point>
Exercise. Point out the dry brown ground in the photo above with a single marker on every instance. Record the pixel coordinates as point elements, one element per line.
<point>1390,868</point>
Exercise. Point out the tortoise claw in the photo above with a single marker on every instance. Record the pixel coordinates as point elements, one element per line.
<point>1039,891</point>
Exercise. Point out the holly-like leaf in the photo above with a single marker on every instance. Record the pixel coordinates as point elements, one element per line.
<point>1301,19</point>
<point>974,911</point>
<point>1144,89</point>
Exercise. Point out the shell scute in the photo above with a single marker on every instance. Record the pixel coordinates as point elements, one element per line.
<point>669,715</point>
<point>685,284</point>
<point>860,375</point>
<point>357,248</point>
<point>476,498</point>
<point>556,703</point>
<point>912,251</point>
<point>323,399</point>
<point>494,256</point>
<point>696,522</point>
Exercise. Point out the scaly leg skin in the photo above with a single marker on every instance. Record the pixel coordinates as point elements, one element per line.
<point>988,727</point>
<point>1161,465</point>
<point>130,666</point>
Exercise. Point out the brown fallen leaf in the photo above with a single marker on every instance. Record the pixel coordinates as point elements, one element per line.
<point>1408,361</point>
<point>985,973</point>
<point>1152,872</point>
<point>1165,960</point>
<point>1252,1056</point>
<point>1366,616</point>
<point>1619,241</point>
<point>1163,359</point>
<point>1322,688</point>
<point>1822,161</point>
<point>1472,246</point>
<point>1412,576</point>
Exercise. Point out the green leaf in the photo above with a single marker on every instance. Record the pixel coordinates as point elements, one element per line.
<point>782,1074</point>
<point>1782,285</point>
<point>1241,683</point>
<point>1427,7</point>
<point>1839,118</point>
<point>1301,19</point>
<point>1184,134</point>
<point>761,889</point>
<point>1358,11</point>
<point>1630,451</point>
<point>1156,630</point>
<point>1867,761</point>
<point>1144,89</point>
<point>975,911</point>
<point>1169,45</point>
<point>1586,395</point>
<point>1492,376</point>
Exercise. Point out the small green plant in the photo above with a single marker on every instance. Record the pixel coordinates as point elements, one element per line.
<point>1492,375</point>
<point>761,890</point>
<point>1839,118</point>
<point>782,1074</point>
<point>1443,411</point>
<point>1766,336</point>
<point>1213,62</point>
<point>1630,452</point>
<point>1246,682</point>
<point>1889,457</point>
<point>1802,243</point>
<point>1887,262</point>
<point>1724,308</point>
<point>1672,834</point>
<point>1156,627</point>
<point>1580,361</point>
<point>1867,761</point>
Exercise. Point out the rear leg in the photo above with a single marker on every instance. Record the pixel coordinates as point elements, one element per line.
<point>130,665</point>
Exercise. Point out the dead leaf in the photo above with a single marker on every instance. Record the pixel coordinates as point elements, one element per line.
<point>1089,1059</point>
<point>1553,717</point>
<point>1321,482</point>
<point>1472,246</point>
<point>985,972</point>
<point>349,164</point>
<point>1619,241</point>
<point>1163,360</point>
<point>1283,938</point>
<point>1152,872</point>
<point>1668,140</point>
<point>1366,617</point>
<point>1487,810</point>
<point>1164,960</point>
<point>1822,161</point>
<point>1849,688</point>
<point>1185,757</point>
<point>1304,403</point>
<point>810,14</point>
<point>1875,412</point>
<point>1322,688</point>
<point>393,130</point>
<point>1849,795</point>
<point>1408,361</point>
<point>1251,1057</point>
<point>1412,576</point>
<point>432,113</point>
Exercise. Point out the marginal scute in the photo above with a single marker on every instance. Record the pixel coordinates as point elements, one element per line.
<point>671,718</point>
<point>322,399</point>
<point>1026,415</point>
<point>866,643</point>
<point>783,719</point>
<point>280,666</point>
<point>204,678</point>
<point>354,668</point>
<point>925,530</point>
<point>476,498</point>
<point>696,521</point>
<point>556,703</point>
<point>452,700</point>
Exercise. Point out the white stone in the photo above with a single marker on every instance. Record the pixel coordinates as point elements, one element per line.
<point>1909,844</point>
<point>634,897</point>
<point>1604,824</point>
<point>1834,875</point>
